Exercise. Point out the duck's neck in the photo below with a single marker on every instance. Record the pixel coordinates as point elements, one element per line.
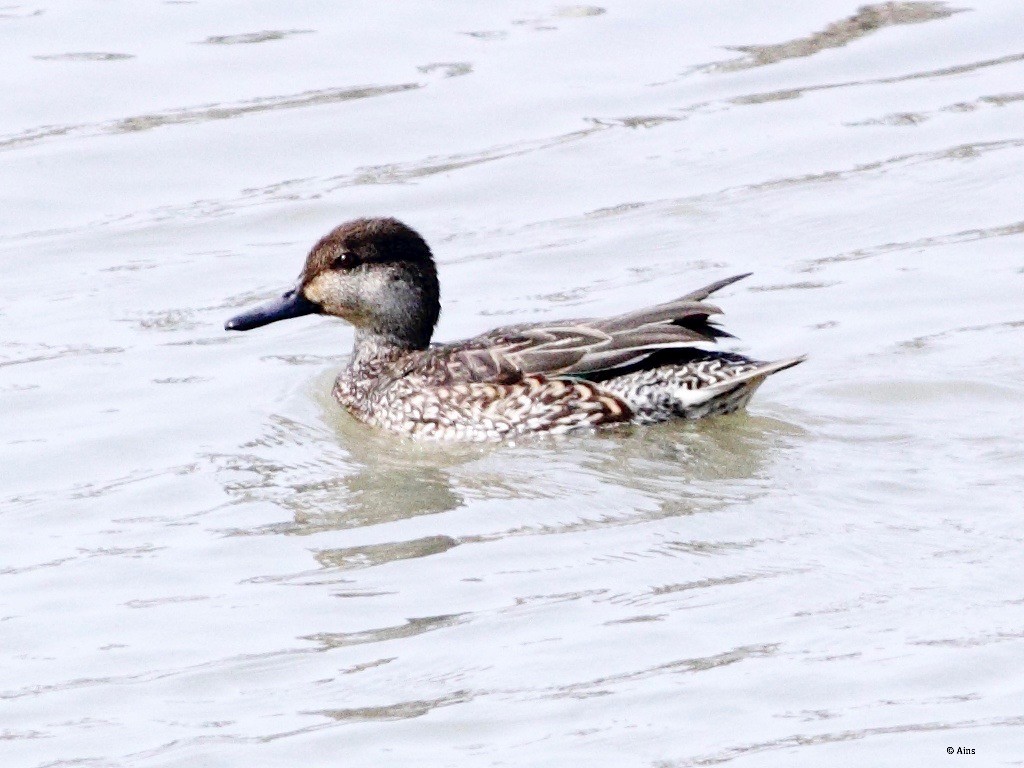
<point>372,348</point>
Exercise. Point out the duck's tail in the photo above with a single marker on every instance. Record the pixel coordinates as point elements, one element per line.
<point>718,383</point>
<point>732,393</point>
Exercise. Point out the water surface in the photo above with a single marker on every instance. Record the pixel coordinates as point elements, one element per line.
<point>205,563</point>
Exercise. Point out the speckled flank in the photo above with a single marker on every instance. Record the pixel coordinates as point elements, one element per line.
<point>642,367</point>
<point>425,403</point>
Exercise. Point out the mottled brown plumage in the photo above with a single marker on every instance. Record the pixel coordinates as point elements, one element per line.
<point>644,366</point>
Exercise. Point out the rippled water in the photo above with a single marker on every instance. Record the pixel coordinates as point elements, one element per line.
<point>204,563</point>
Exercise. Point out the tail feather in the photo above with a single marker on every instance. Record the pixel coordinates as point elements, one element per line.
<point>702,293</point>
<point>755,376</point>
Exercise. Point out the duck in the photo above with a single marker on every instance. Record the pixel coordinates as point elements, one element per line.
<point>651,365</point>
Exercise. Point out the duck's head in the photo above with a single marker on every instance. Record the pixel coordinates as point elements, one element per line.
<point>378,274</point>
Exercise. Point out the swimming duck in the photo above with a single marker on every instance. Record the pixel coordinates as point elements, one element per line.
<point>642,367</point>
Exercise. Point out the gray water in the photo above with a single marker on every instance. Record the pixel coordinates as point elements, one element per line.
<point>204,563</point>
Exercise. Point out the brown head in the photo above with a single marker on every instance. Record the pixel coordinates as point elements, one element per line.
<point>378,274</point>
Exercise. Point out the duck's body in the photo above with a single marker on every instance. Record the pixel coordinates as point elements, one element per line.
<point>643,367</point>
<point>547,378</point>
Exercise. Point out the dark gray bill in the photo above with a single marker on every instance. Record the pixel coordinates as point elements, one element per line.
<point>291,304</point>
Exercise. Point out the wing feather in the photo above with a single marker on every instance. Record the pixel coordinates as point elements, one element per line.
<point>582,347</point>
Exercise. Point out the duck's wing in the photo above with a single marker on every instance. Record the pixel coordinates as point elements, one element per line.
<point>587,347</point>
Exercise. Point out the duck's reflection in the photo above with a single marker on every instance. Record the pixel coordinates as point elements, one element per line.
<point>338,474</point>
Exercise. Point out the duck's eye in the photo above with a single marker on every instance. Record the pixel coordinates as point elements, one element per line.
<point>345,260</point>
